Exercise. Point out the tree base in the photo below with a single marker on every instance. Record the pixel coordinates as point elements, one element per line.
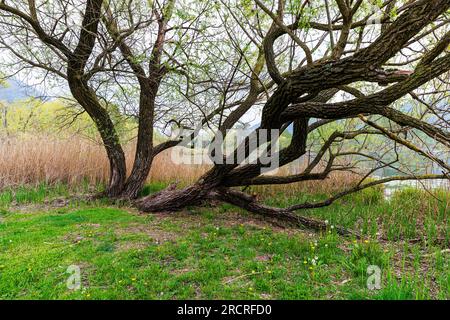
<point>170,200</point>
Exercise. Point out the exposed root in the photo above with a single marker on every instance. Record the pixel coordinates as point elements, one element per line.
<point>174,200</point>
<point>249,203</point>
<point>171,199</point>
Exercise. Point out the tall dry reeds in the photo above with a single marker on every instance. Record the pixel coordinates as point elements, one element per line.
<point>36,159</point>
<point>337,181</point>
<point>31,160</point>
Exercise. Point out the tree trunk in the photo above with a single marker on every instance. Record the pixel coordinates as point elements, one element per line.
<point>144,146</point>
<point>115,153</point>
<point>88,100</point>
<point>139,174</point>
<point>173,200</point>
<point>118,170</point>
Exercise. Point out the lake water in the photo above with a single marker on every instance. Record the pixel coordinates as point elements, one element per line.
<point>393,186</point>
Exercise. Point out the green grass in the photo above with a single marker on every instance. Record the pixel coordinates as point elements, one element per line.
<point>218,253</point>
<point>152,188</point>
<point>409,214</point>
<point>40,193</point>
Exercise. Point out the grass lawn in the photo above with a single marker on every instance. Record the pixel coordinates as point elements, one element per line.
<point>220,252</point>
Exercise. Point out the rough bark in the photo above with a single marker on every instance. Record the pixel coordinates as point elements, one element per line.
<point>172,199</point>
<point>144,146</point>
<point>105,126</point>
<point>296,99</point>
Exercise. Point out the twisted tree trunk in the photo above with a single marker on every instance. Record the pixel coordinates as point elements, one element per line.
<point>116,156</point>
<point>87,98</point>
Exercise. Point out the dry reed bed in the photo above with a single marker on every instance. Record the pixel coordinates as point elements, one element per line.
<point>31,160</point>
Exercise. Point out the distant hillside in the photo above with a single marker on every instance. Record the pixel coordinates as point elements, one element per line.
<point>16,90</point>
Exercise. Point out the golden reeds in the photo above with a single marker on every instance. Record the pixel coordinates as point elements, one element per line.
<point>31,160</point>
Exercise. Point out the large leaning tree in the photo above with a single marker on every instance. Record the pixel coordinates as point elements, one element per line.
<point>358,81</point>
<point>361,85</point>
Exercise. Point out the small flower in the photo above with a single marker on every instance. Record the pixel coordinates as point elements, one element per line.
<point>326,221</point>
<point>133,279</point>
<point>332,227</point>
<point>366,241</point>
<point>305,262</point>
<point>326,245</point>
<point>250,289</point>
<point>88,295</point>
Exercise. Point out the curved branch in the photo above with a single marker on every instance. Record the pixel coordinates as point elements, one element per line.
<point>377,103</point>
<point>329,201</point>
<point>47,39</point>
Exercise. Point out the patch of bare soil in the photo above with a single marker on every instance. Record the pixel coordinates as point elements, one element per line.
<point>233,219</point>
<point>229,219</point>
<point>74,238</point>
<point>180,271</point>
<point>154,232</point>
<point>28,208</point>
<point>47,205</point>
<point>131,245</point>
